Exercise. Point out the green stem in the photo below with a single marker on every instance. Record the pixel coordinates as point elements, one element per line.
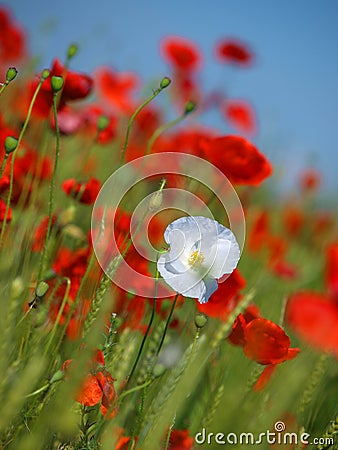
<point>57,320</point>
<point>3,165</point>
<point>38,391</point>
<point>148,328</point>
<point>134,389</point>
<point>131,121</point>
<point>169,433</point>
<point>161,130</point>
<point>143,341</point>
<point>3,87</point>
<point>22,132</point>
<point>51,189</point>
<point>167,324</point>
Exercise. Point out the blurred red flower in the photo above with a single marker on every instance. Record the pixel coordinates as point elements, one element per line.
<point>97,387</point>
<point>76,86</point>
<point>181,53</point>
<point>83,192</point>
<point>331,269</point>
<point>12,39</point>
<point>3,211</point>
<point>115,88</point>
<point>314,317</point>
<point>309,180</point>
<point>238,159</point>
<point>240,115</point>
<point>180,440</point>
<point>223,301</point>
<point>232,51</point>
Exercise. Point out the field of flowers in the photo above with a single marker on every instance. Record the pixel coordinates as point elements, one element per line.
<point>131,316</point>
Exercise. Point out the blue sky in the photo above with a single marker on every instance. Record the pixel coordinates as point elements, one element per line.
<point>293,85</point>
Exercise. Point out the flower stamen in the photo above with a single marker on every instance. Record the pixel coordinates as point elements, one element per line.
<point>195,259</point>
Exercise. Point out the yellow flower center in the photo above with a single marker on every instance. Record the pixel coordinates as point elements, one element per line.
<point>195,259</point>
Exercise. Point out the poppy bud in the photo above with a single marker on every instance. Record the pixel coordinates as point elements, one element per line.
<point>56,82</point>
<point>11,74</point>
<point>155,201</point>
<point>58,376</point>
<point>165,82</point>
<point>72,50</point>
<point>41,289</point>
<point>190,106</point>
<point>11,144</point>
<point>45,74</point>
<point>200,320</point>
<point>102,123</point>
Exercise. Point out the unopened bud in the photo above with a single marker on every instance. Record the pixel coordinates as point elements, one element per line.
<point>11,74</point>
<point>72,50</point>
<point>102,122</point>
<point>56,82</point>
<point>41,289</point>
<point>45,74</point>
<point>58,376</point>
<point>165,82</point>
<point>190,106</point>
<point>200,320</point>
<point>155,201</point>
<point>11,144</point>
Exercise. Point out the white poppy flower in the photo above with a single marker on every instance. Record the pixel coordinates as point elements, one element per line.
<point>201,251</point>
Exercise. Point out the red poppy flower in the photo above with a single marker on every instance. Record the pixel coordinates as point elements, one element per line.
<point>91,115</point>
<point>293,219</point>
<point>12,39</point>
<point>3,212</point>
<point>223,301</point>
<point>310,180</point>
<point>236,337</point>
<point>83,192</point>
<point>180,440</point>
<point>97,387</point>
<point>238,159</point>
<point>28,166</point>
<point>267,343</point>
<point>264,377</point>
<point>332,270</point>
<point>232,51</point>
<point>76,86</point>
<point>314,318</point>
<point>115,88</point>
<point>259,232</point>
<point>240,115</point>
<point>39,235</point>
<point>181,53</point>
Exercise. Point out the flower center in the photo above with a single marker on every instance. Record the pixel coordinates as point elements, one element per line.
<point>195,259</point>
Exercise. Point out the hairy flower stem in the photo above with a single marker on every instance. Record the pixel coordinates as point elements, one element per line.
<point>58,318</point>
<point>143,341</point>
<point>51,189</point>
<point>22,132</point>
<point>3,165</point>
<point>167,324</point>
<point>131,121</point>
<point>163,128</point>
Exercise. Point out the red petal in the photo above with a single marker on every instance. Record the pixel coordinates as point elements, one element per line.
<point>265,342</point>
<point>91,392</point>
<point>314,317</point>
